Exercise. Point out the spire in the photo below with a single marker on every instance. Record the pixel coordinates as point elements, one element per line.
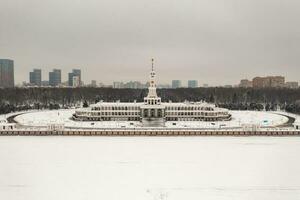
<point>152,84</point>
<point>152,64</point>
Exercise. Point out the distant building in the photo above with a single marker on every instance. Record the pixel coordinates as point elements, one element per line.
<point>75,72</point>
<point>7,73</point>
<point>192,83</point>
<point>118,85</point>
<point>35,77</point>
<point>292,85</point>
<point>259,82</point>
<point>101,85</point>
<point>269,81</point>
<point>205,85</point>
<point>55,77</point>
<point>93,83</point>
<point>176,84</point>
<point>245,83</point>
<point>277,81</point>
<point>133,85</point>
<point>163,86</point>
<point>75,81</point>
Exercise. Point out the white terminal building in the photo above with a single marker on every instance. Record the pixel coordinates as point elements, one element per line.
<point>152,112</point>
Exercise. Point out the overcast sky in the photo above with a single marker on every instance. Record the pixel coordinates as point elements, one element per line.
<point>213,41</point>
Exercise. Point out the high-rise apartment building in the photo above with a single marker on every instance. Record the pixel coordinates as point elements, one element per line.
<point>245,83</point>
<point>75,81</point>
<point>35,77</point>
<point>269,81</point>
<point>75,72</point>
<point>176,84</point>
<point>192,83</point>
<point>55,77</point>
<point>7,73</point>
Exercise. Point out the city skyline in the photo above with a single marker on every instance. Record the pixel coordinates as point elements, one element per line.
<point>75,80</point>
<point>183,82</point>
<point>135,77</point>
<point>214,42</point>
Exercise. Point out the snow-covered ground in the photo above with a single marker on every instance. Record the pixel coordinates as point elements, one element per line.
<point>147,168</point>
<point>239,119</point>
<point>295,116</point>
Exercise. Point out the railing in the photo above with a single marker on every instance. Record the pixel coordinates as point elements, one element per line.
<point>149,132</point>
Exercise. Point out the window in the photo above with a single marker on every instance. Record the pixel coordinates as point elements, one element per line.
<point>146,114</point>
<point>152,113</point>
<point>159,113</point>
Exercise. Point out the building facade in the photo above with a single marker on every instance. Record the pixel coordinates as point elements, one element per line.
<point>75,72</point>
<point>35,77</point>
<point>176,84</point>
<point>7,73</point>
<point>55,77</point>
<point>152,112</point>
<point>192,83</point>
<point>75,81</point>
<point>269,82</point>
<point>118,85</point>
<point>245,83</point>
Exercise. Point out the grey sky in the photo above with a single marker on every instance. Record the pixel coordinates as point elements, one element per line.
<point>213,41</point>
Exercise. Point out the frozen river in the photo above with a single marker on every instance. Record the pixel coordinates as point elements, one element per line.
<point>149,168</point>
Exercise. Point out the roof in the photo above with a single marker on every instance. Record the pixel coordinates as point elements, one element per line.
<point>187,103</point>
<point>117,104</point>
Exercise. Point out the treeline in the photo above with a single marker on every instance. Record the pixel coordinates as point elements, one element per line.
<point>16,99</point>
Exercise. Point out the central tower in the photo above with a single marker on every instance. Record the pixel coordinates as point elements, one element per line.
<point>152,98</point>
<point>152,112</point>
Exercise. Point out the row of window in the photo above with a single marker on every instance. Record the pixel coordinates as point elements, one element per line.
<point>112,119</point>
<point>192,114</point>
<point>152,101</point>
<point>116,108</point>
<point>189,108</point>
<point>152,114</point>
<point>109,113</point>
<point>6,127</point>
<point>184,108</point>
<point>191,119</point>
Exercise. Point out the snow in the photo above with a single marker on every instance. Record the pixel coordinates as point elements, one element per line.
<point>239,119</point>
<point>150,168</point>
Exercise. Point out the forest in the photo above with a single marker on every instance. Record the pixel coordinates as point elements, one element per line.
<point>18,99</point>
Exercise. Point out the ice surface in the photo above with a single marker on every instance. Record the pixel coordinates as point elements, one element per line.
<point>149,168</point>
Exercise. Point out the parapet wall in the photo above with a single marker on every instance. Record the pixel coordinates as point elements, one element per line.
<point>151,133</point>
